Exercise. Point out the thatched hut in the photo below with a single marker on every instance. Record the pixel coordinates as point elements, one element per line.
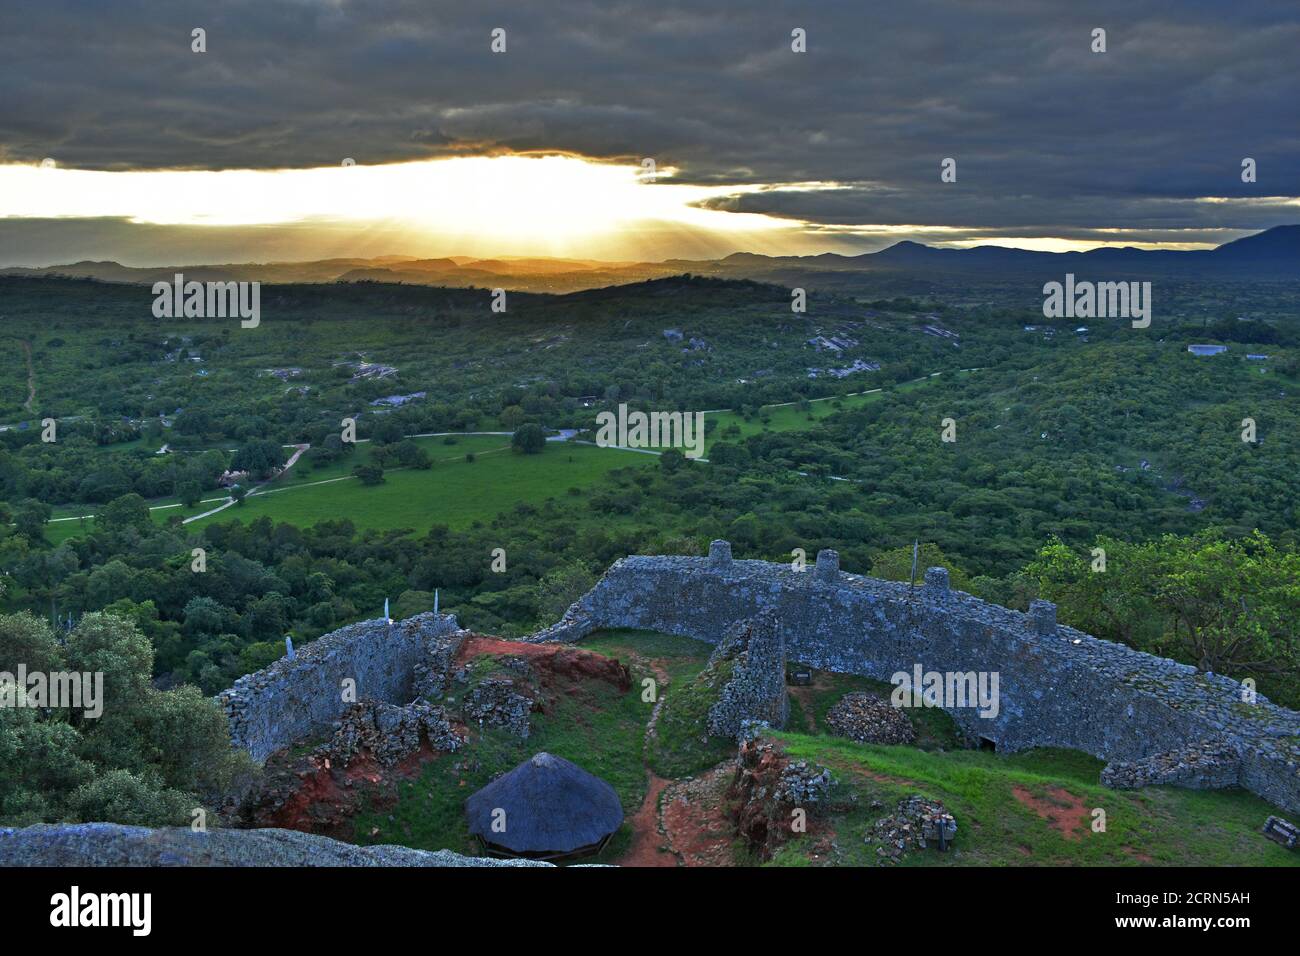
<point>546,809</point>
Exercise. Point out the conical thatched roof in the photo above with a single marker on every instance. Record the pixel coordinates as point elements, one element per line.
<point>552,807</point>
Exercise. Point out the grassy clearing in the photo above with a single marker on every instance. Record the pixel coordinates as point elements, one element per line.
<point>990,795</point>
<point>790,417</point>
<point>935,730</point>
<point>682,746</point>
<point>599,728</point>
<point>454,492</point>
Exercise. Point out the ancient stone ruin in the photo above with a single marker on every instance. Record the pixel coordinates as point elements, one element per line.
<point>1058,687</point>
<point>306,695</point>
<point>1153,720</point>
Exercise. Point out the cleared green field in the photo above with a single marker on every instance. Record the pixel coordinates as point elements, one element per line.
<point>784,418</point>
<point>455,493</point>
<point>415,499</point>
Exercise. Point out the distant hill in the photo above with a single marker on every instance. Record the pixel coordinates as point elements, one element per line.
<point>1271,254</point>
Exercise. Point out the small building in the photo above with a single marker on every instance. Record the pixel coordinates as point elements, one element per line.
<point>1207,349</point>
<point>1257,358</point>
<point>547,808</point>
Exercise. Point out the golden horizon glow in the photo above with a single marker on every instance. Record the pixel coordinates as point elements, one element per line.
<point>544,204</point>
<point>528,204</point>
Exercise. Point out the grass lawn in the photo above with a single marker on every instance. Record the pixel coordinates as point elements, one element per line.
<point>782,418</point>
<point>454,491</point>
<point>1002,804</point>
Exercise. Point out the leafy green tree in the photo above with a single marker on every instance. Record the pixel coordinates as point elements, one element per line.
<point>1228,605</point>
<point>896,565</point>
<point>369,474</point>
<point>559,588</point>
<point>529,438</point>
<point>127,513</point>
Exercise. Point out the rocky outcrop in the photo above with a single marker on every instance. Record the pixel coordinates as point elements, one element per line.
<point>388,732</point>
<point>494,702</point>
<point>110,844</point>
<point>868,719</point>
<point>774,795</point>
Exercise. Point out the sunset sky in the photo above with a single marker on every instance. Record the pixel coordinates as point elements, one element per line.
<point>117,141</point>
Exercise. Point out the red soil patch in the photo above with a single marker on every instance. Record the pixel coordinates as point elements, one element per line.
<point>1065,812</point>
<point>697,820</point>
<point>317,797</point>
<point>647,843</point>
<point>550,660</point>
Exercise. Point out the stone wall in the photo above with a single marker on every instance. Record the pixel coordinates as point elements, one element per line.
<point>1058,687</point>
<point>302,696</point>
<point>756,690</point>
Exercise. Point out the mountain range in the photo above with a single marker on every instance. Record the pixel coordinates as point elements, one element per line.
<point>1271,254</point>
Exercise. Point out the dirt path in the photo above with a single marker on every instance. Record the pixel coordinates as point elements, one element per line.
<point>1064,812</point>
<point>31,377</point>
<point>647,842</point>
<point>647,847</point>
<point>297,453</point>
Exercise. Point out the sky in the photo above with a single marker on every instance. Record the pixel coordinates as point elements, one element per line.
<point>321,128</point>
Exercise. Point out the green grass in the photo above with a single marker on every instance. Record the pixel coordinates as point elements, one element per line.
<point>603,730</point>
<point>935,730</point>
<point>453,492</point>
<point>789,417</point>
<point>1155,826</point>
<point>682,746</point>
<point>598,727</point>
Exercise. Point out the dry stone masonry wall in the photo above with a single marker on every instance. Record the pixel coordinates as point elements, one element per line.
<point>296,698</point>
<point>1058,687</point>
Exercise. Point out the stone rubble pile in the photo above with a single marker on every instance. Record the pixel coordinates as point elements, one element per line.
<point>495,702</point>
<point>803,785</point>
<point>917,823</point>
<point>869,719</point>
<point>388,732</point>
<point>1281,831</point>
<point>432,673</point>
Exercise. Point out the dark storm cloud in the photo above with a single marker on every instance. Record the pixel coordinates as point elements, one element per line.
<point>1049,138</point>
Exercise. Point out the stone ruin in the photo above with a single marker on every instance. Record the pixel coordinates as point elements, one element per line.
<point>756,688</point>
<point>378,662</point>
<point>1153,720</point>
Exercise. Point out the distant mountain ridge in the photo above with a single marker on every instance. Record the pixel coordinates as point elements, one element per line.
<point>1271,254</point>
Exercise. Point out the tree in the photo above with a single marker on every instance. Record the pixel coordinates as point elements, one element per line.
<point>369,474</point>
<point>259,458</point>
<point>529,438</point>
<point>127,513</point>
<point>671,460</point>
<point>150,757</point>
<point>189,492</point>
<point>1228,605</point>
<point>559,588</point>
<point>896,565</point>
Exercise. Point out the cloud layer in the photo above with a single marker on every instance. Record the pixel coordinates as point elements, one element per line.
<point>1050,139</point>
